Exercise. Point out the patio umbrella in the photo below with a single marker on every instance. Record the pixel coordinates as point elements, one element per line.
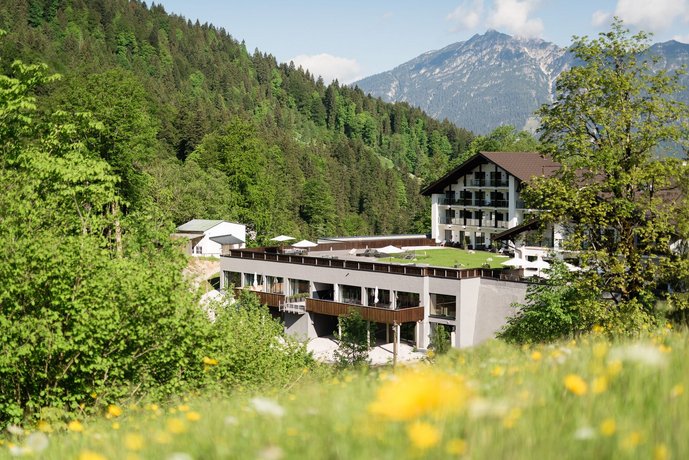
<point>515,262</point>
<point>352,251</point>
<point>255,280</point>
<point>282,238</point>
<point>304,244</point>
<point>375,296</point>
<point>390,250</point>
<point>539,264</point>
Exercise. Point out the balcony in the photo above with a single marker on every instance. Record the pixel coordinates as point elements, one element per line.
<point>266,298</point>
<point>375,314</point>
<point>499,183</point>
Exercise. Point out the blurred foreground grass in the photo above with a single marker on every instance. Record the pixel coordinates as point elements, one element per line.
<point>584,399</point>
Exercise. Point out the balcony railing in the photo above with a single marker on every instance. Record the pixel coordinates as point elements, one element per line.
<point>498,183</point>
<point>378,315</point>
<point>266,298</point>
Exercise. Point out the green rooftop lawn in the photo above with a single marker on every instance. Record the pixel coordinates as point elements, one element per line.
<point>449,257</point>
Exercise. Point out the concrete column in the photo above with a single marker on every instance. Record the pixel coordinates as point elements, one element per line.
<point>364,297</point>
<point>435,217</point>
<point>336,292</point>
<point>512,203</point>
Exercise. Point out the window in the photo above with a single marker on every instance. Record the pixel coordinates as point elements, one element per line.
<point>407,299</point>
<point>253,280</point>
<point>299,287</point>
<point>350,294</point>
<point>443,305</point>
<point>383,297</point>
<point>231,279</point>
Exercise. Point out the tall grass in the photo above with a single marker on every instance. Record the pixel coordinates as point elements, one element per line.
<point>585,399</point>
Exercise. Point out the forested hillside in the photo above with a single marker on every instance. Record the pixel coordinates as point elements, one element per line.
<point>197,126</point>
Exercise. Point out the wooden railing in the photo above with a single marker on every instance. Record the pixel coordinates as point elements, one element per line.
<point>266,298</point>
<point>378,315</point>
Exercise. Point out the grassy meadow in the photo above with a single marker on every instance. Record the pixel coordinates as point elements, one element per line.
<point>588,398</point>
<point>450,257</point>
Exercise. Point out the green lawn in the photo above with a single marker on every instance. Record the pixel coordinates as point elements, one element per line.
<point>450,257</point>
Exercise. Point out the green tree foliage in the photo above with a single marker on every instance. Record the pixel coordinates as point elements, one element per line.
<point>440,339</point>
<point>610,120</point>
<point>250,346</point>
<point>93,301</point>
<point>169,91</point>
<point>354,340</point>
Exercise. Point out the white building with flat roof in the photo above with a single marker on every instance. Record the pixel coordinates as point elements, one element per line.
<point>206,237</point>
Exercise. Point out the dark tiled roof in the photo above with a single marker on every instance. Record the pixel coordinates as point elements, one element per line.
<point>522,165</point>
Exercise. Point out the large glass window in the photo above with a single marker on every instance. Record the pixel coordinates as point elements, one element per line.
<point>253,280</point>
<point>407,299</point>
<point>378,297</point>
<point>299,287</point>
<point>274,284</point>
<point>443,305</point>
<point>350,294</point>
<point>231,279</point>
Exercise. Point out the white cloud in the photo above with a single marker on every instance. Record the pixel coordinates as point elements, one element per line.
<point>513,16</point>
<point>653,15</point>
<point>467,15</point>
<point>600,18</point>
<point>681,38</point>
<point>330,67</point>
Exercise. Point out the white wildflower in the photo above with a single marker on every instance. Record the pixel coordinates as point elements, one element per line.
<point>585,433</point>
<point>15,430</point>
<point>231,420</point>
<point>271,453</point>
<point>480,408</point>
<point>638,353</point>
<point>37,442</point>
<point>267,407</point>
<point>179,456</point>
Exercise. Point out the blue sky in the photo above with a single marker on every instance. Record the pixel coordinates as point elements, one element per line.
<point>353,39</point>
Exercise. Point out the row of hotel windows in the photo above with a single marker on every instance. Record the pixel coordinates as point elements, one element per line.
<point>497,179</point>
<point>477,198</point>
<point>441,305</point>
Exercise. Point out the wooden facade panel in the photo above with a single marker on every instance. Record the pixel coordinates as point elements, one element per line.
<point>378,315</point>
<point>266,298</point>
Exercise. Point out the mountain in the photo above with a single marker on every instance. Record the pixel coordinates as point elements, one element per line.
<point>490,80</point>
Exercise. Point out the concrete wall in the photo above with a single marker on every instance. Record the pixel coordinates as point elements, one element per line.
<point>494,306</point>
<point>298,326</point>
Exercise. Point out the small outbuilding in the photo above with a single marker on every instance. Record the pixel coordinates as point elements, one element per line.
<point>207,237</point>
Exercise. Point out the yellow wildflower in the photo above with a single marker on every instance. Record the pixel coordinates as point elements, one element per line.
<point>576,385</point>
<point>134,441</point>
<point>44,427</point>
<point>176,426</point>
<point>600,350</point>
<point>664,348</point>
<point>94,395</point>
<point>114,411</point>
<point>661,452</point>
<point>193,416</point>
<point>668,326</point>
<point>115,426</point>
<point>614,368</point>
<point>597,329</point>
<point>209,361</point>
<point>677,390</point>
<point>599,385</point>
<point>536,355</point>
<point>414,393</point>
<point>632,440</point>
<point>511,418</point>
<point>162,437</point>
<point>183,408</point>
<point>423,435</point>
<point>608,427</point>
<point>292,432</point>
<point>497,371</point>
<point>76,426</point>
<point>456,447</point>
<point>90,455</point>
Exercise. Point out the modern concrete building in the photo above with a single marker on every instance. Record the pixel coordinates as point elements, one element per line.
<point>207,237</point>
<point>309,292</point>
<point>480,199</point>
